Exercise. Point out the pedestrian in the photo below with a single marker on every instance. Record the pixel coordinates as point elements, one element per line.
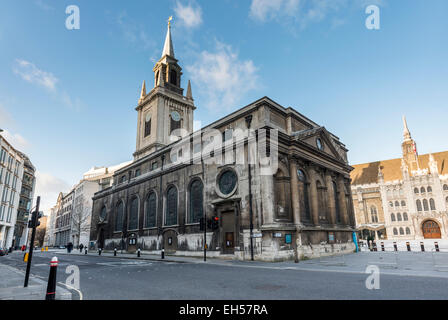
<point>70,247</point>
<point>80,247</point>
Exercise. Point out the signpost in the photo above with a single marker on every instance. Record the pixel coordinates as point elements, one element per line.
<point>34,221</point>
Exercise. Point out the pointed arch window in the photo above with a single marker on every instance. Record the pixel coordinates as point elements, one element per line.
<point>397,204</point>
<point>405,216</point>
<point>171,206</point>
<point>416,190</point>
<point>419,205</point>
<point>425,205</point>
<point>151,210</point>
<point>392,217</point>
<point>395,232</point>
<point>429,189</point>
<point>432,204</point>
<point>408,231</point>
<point>119,217</point>
<point>133,214</point>
<point>399,217</point>
<point>401,231</point>
<point>148,125</point>
<point>422,190</point>
<point>196,201</point>
<point>445,187</point>
<point>403,203</point>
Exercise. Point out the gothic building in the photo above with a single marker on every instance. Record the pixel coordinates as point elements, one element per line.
<point>273,184</point>
<point>402,199</point>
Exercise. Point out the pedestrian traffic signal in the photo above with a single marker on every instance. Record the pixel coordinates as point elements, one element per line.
<point>215,223</point>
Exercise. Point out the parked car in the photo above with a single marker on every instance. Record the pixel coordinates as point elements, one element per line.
<point>3,251</point>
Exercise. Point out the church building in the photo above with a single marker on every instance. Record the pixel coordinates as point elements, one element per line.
<point>404,198</point>
<point>263,183</point>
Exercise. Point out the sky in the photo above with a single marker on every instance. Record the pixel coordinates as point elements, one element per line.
<point>68,97</point>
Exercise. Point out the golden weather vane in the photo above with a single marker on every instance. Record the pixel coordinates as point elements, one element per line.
<point>169,20</point>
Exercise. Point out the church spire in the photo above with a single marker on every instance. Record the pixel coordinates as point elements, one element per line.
<point>143,92</point>
<point>168,49</point>
<point>406,132</point>
<point>189,94</point>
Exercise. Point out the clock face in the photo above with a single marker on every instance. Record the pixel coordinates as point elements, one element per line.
<point>148,117</point>
<point>175,116</point>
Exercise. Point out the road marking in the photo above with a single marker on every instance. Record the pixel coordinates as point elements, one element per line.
<point>72,288</point>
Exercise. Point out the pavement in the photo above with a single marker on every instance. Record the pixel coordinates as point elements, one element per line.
<point>403,275</point>
<point>11,286</point>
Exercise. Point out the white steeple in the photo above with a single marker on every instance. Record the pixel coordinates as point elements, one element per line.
<point>168,49</point>
<point>406,132</point>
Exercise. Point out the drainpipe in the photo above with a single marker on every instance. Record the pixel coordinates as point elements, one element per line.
<point>251,224</point>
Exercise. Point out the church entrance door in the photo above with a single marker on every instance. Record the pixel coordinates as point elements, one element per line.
<point>431,230</point>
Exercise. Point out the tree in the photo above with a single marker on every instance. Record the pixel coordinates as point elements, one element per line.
<point>81,218</point>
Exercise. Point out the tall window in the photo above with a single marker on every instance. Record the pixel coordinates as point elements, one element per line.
<point>392,217</point>
<point>408,231</point>
<point>119,217</point>
<point>173,77</point>
<point>336,202</point>
<point>432,204</point>
<point>171,206</point>
<point>395,232</point>
<point>422,190</point>
<point>282,199</point>
<point>304,197</point>
<point>196,201</point>
<point>416,190</point>
<point>401,231</point>
<point>150,210</point>
<point>133,215</point>
<point>147,127</point>
<point>374,214</point>
<point>322,201</point>
<point>429,189</point>
<point>405,216</point>
<point>403,203</point>
<point>419,205</point>
<point>397,204</point>
<point>425,205</point>
<point>398,216</point>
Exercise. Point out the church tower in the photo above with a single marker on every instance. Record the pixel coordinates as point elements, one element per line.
<point>164,114</point>
<point>409,148</point>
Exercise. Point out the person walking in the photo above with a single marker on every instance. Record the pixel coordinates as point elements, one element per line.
<point>80,247</point>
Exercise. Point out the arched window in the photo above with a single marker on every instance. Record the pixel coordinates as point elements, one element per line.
<point>408,231</point>
<point>397,204</point>
<point>429,189</point>
<point>405,216</point>
<point>416,190</point>
<point>374,214</point>
<point>304,197</point>
<point>173,77</point>
<point>392,217</point>
<point>422,190</point>
<point>403,203</point>
<point>196,201</point>
<point>151,210</point>
<point>119,217</point>
<point>336,202</point>
<point>445,187</point>
<point>401,231</point>
<point>446,200</point>
<point>322,201</point>
<point>419,205</point>
<point>398,216</point>
<point>147,127</point>
<point>425,205</point>
<point>171,206</point>
<point>103,213</point>
<point>282,196</point>
<point>391,204</point>
<point>432,204</point>
<point>395,232</point>
<point>133,214</point>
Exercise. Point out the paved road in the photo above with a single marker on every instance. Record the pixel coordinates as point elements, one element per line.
<point>114,278</point>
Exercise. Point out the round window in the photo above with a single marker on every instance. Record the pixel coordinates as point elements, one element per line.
<point>227,182</point>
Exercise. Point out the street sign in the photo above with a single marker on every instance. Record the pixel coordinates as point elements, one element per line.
<point>277,235</point>
<point>288,238</point>
<point>257,235</point>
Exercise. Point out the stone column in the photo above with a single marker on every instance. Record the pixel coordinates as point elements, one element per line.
<point>343,205</point>
<point>294,191</point>
<point>331,199</point>
<point>267,198</point>
<point>313,195</point>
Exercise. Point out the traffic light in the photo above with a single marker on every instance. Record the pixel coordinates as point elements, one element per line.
<point>201,224</point>
<point>215,223</point>
<point>34,222</point>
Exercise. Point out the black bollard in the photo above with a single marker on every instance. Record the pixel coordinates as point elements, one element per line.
<point>99,251</point>
<point>115,252</point>
<point>138,252</point>
<point>382,246</point>
<point>408,246</point>
<point>395,246</point>
<point>51,287</point>
<point>85,252</point>
<point>436,244</point>
<point>422,245</point>
<point>163,253</point>
<point>374,246</point>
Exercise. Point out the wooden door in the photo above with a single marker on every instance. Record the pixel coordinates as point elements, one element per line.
<point>431,230</point>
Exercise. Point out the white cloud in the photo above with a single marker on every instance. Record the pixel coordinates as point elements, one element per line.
<point>190,15</point>
<point>222,77</point>
<point>263,10</point>
<point>48,188</point>
<point>133,32</point>
<point>16,140</point>
<point>29,72</point>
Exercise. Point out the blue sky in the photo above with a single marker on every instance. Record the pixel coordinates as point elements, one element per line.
<point>67,97</point>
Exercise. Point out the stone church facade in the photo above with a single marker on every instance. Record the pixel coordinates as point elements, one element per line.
<point>402,199</point>
<point>273,184</point>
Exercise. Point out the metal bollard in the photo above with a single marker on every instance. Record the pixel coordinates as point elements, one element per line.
<point>374,246</point>
<point>115,252</point>
<point>408,246</point>
<point>382,246</point>
<point>138,252</point>
<point>163,253</point>
<point>422,245</point>
<point>436,244</point>
<point>395,246</point>
<point>85,252</point>
<point>99,251</point>
<point>51,287</point>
